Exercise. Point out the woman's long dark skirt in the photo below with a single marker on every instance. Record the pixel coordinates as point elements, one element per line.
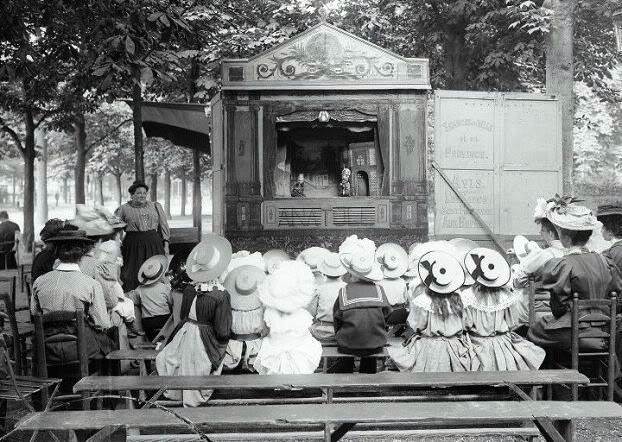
<point>137,247</point>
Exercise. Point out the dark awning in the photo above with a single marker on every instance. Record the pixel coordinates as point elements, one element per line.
<point>184,124</point>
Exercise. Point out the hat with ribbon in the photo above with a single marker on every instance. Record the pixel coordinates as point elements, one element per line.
<point>609,209</point>
<point>463,246</point>
<point>152,269</point>
<point>488,267</point>
<point>567,215</point>
<point>358,255</point>
<point>114,220</point>
<point>393,260</point>
<point>312,256</point>
<point>440,272</point>
<point>208,259</point>
<point>70,235</point>
<point>93,223</point>
<point>273,257</point>
<point>331,265</point>
<point>241,284</point>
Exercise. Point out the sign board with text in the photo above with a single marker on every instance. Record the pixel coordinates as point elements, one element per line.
<point>500,151</point>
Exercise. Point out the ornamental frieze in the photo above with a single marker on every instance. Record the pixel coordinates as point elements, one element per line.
<point>326,56</point>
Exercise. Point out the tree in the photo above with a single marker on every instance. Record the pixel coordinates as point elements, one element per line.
<point>31,76</point>
<point>135,40</point>
<point>115,158</point>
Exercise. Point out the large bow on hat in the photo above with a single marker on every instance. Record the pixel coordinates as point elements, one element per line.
<point>440,272</point>
<point>92,222</point>
<point>358,257</point>
<point>487,267</point>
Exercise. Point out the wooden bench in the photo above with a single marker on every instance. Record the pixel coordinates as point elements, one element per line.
<point>393,385</point>
<point>149,354</point>
<point>251,418</point>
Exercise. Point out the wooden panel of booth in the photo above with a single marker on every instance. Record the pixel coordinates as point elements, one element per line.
<point>500,152</point>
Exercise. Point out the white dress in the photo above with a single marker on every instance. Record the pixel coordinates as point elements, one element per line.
<point>289,348</point>
<point>185,355</point>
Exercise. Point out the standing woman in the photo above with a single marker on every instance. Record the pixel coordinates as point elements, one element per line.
<point>147,233</point>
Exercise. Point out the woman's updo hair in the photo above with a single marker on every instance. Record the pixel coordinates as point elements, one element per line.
<point>577,237</point>
<point>72,251</point>
<point>548,226</point>
<point>137,185</point>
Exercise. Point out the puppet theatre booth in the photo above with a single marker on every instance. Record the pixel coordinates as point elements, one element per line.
<point>313,140</point>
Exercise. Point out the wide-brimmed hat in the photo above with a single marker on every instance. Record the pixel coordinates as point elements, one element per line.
<point>462,246</point>
<point>440,272</point>
<point>71,235</point>
<point>241,284</point>
<point>312,256</point>
<point>52,227</point>
<point>488,267</point>
<point>273,257</point>
<point>609,209</point>
<point>573,217</point>
<point>331,265</point>
<point>92,222</point>
<point>208,259</point>
<point>289,288</point>
<point>358,256</point>
<point>242,258</point>
<point>152,269</point>
<point>393,260</point>
<point>113,219</point>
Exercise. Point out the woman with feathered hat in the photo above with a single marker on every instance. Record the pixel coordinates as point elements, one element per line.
<point>589,274</point>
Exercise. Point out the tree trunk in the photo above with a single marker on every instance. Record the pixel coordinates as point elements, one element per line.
<point>79,127</point>
<point>137,117</point>
<point>100,189</point>
<point>456,59</point>
<point>41,212</point>
<point>14,183</point>
<point>560,76</point>
<point>184,193</point>
<point>167,194</point>
<point>29,181</point>
<point>153,186</point>
<point>117,180</point>
<point>196,190</point>
<point>65,190</point>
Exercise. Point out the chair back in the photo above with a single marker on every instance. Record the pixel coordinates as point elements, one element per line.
<point>599,315</point>
<point>9,310</point>
<point>75,318</point>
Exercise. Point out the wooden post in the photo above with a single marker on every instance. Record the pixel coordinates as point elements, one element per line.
<point>196,190</point>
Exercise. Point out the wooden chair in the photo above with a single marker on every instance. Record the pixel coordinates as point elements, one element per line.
<point>5,255</point>
<point>79,366</point>
<point>604,325</point>
<point>20,332</point>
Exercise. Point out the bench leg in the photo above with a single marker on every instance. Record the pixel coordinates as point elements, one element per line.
<point>560,431</point>
<point>339,432</point>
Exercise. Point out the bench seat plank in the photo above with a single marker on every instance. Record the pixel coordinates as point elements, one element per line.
<point>270,415</point>
<point>324,380</point>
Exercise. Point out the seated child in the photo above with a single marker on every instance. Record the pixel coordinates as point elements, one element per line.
<point>247,327</point>
<point>153,295</point>
<point>198,345</point>
<point>289,347</point>
<point>393,261</point>
<point>361,311</point>
<point>438,343</point>
<point>492,311</point>
<point>326,292</point>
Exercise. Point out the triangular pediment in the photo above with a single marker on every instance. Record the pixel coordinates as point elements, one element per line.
<point>323,57</point>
